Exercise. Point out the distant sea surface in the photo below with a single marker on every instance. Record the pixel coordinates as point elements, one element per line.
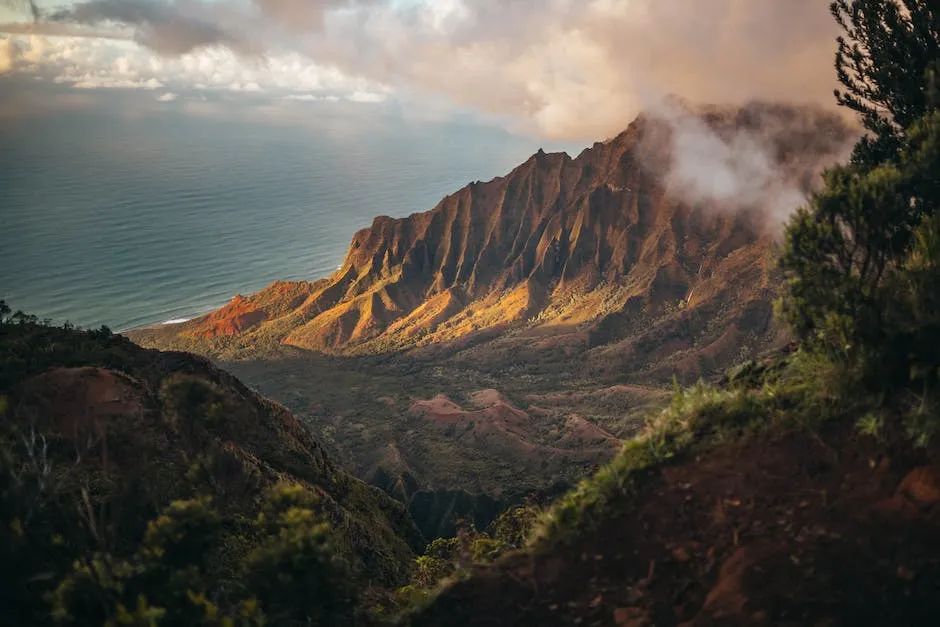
<point>132,221</point>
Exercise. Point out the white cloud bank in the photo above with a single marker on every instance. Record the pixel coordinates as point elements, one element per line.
<point>95,63</point>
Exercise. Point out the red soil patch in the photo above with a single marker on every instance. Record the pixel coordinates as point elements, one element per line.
<point>584,433</point>
<point>494,413</point>
<point>80,399</point>
<point>438,409</point>
<point>496,424</point>
<point>80,403</point>
<point>239,314</point>
<point>243,313</point>
<point>791,530</point>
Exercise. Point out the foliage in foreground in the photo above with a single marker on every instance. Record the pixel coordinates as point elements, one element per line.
<point>446,559</point>
<point>801,390</point>
<point>158,515</point>
<point>292,577</point>
<point>863,259</point>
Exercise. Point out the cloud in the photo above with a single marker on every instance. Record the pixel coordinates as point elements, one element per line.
<point>362,97</point>
<point>92,62</point>
<point>182,26</point>
<point>58,29</point>
<point>249,86</point>
<point>109,82</point>
<point>578,69</point>
<point>301,15</point>
<point>26,6</point>
<point>171,29</point>
<point>366,97</point>
<point>311,98</point>
<point>761,158</point>
<point>8,53</point>
<point>167,97</point>
<point>585,68</point>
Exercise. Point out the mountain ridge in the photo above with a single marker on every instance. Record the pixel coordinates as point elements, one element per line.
<point>559,245</point>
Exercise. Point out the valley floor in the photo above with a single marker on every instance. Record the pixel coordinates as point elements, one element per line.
<point>408,425</point>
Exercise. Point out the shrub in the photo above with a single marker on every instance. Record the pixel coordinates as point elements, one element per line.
<point>164,582</point>
<point>296,574</point>
<point>859,259</point>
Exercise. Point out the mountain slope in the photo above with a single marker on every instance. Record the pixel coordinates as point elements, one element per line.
<point>789,529</point>
<point>762,501</point>
<point>132,430</point>
<point>596,254</point>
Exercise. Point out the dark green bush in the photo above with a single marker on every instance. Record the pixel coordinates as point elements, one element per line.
<point>296,574</point>
<point>859,259</point>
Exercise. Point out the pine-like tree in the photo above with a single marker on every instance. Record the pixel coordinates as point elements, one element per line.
<point>844,253</point>
<point>886,56</point>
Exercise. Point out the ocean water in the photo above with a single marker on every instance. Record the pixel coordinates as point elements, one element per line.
<point>129,221</point>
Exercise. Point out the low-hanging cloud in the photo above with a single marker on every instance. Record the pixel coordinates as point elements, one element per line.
<point>761,158</point>
<point>562,68</point>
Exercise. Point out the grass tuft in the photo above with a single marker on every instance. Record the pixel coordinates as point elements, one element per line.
<point>800,390</point>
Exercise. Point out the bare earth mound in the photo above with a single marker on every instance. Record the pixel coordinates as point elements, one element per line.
<point>789,530</point>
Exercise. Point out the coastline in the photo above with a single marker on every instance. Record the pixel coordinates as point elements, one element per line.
<point>178,319</point>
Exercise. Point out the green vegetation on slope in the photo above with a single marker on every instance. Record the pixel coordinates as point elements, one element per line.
<point>151,488</point>
<point>799,390</point>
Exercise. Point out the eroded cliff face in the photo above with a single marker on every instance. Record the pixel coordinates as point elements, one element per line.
<point>603,246</point>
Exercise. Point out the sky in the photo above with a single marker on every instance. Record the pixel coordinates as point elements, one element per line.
<point>559,69</point>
